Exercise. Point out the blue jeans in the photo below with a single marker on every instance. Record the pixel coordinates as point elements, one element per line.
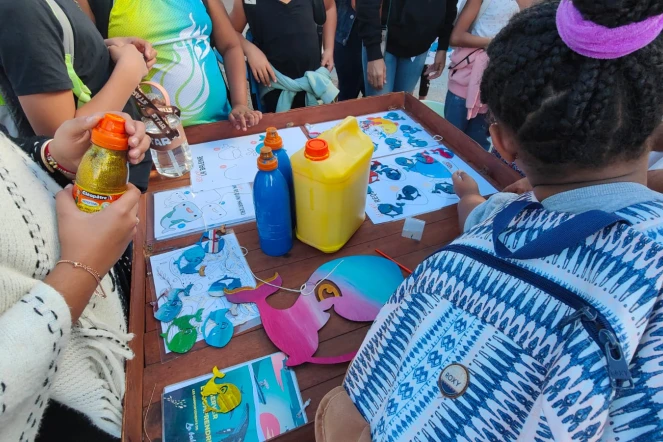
<point>476,128</point>
<point>402,73</point>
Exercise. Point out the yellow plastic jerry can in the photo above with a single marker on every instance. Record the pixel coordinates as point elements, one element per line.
<point>331,181</point>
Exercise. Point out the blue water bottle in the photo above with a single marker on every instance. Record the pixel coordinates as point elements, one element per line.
<point>274,141</point>
<point>271,199</point>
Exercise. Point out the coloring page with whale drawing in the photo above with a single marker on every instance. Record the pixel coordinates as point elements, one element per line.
<point>199,274</point>
<point>181,211</point>
<point>410,184</point>
<point>391,132</point>
<point>223,163</point>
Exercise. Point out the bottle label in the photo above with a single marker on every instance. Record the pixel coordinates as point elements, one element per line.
<point>92,202</point>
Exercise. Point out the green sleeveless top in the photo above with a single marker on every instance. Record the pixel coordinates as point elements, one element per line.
<point>180,31</point>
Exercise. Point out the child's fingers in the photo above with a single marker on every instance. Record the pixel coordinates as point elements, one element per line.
<point>271,73</point>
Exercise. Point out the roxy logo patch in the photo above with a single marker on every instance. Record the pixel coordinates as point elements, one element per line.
<point>453,381</point>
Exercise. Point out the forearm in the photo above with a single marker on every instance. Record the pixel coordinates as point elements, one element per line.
<point>329,29</point>
<point>74,284</point>
<point>235,66</point>
<point>246,45</point>
<point>370,27</point>
<point>467,40</point>
<point>466,205</point>
<point>114,95</point>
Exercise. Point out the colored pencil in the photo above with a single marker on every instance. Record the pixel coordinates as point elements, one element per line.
<point>394,261</point>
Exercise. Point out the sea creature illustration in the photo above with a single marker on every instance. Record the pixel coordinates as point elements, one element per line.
<point>444,188</point>
<point>190,259</point>
<point>173,305</point>
<point>356,286</point>
<point>393,143</point>
<point>180,215</point>
<point>409,193</point>
<point>425,165</point>
<point>227,282</point>
<point>228,396</point>
<point>186,336</point>
<point>415,142</point>
<point>409,130</point>
<point>394,116</point>
<point>222,332</point>
<point>424,157</point>
<point>390,172</point>
<point>443,152</point>
<point>391,210</point>
<point>373,177</point>
<point>369,191</point>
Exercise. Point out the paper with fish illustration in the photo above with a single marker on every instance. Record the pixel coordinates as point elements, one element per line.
<point>271,404</point>
<point>181,211</point>
<point>222,163</point>
<point>200,273</point>
<point>404,185</point>
<point>391,132</point>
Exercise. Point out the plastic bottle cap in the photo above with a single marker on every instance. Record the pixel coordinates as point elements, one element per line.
<point>316,150</point>
<point>273,140</point>
<point>110,133</point>
<point>267,161</point>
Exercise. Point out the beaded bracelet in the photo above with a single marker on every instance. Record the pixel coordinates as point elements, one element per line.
<point>90,270</point>
<point>53,165</point>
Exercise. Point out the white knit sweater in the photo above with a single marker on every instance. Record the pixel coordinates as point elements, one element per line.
<point>42,356</point>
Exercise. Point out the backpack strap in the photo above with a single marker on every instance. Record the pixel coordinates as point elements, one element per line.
<point>80,90</point>
<point>552,241</point>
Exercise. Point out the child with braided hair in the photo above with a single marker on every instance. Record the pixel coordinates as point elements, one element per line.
<point>544,319</point>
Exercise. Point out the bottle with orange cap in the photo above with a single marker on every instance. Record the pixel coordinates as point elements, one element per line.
<point>274,141</point>
<point>103,172</point>
<point>271,198</point>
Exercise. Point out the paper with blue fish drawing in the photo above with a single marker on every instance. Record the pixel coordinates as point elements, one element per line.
<point>181,211</point>
<point>391,132</point>
<point>198,275</point>
<point>222,163</point>
<point>412,183</point>
<point>271,405</point>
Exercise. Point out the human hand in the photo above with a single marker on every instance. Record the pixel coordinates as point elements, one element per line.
<point>328,60</point>
<point>143,46</point>
<point>519,187</point>
<point>97,240</point>
<point>435,70</point>
<point>260,67</point>
<point>464,185</point>
<point>129,59</point>
<point>72,140</point>
<point>242,117</point>
<point>376,71</point>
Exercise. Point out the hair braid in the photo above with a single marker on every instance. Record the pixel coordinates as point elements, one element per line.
<point>566,108</point>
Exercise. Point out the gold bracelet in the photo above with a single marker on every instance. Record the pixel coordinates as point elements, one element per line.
<point>90,270</point>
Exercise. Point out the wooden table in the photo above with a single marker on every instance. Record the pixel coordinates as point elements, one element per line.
<point>148,373</point>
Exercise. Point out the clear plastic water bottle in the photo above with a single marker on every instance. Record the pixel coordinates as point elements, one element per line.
<point>172,158</point>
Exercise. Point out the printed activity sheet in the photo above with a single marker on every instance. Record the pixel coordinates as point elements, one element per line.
<point>408,184</point>
<point>391,132</point>
<point>223,163</point>
<point>181,211</point>
<point>201,273</point>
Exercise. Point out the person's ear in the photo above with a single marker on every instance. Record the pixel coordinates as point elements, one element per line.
<point>503,142</point>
